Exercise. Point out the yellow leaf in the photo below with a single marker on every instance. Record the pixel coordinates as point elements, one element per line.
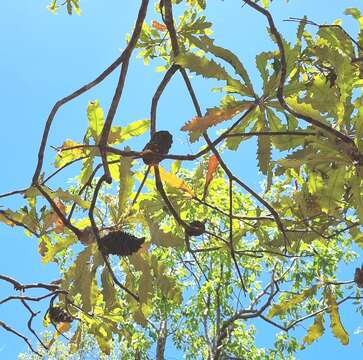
<point>316,330</point>
<point>335,323</point>
<point>68,152</point>
<point>173,181</point>
<point>291,302</point>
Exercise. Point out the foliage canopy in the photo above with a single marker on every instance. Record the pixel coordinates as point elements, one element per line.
<point>156,247</point>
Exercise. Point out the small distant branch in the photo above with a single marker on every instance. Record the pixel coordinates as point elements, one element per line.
<point>9,329</point>
<point>309,22</point>
<point>271,133</point>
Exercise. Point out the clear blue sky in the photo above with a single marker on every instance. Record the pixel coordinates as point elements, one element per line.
<point>44,57</point>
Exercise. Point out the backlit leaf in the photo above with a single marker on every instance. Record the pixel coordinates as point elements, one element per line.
<point>95,119</point>
<point>161,27</point>
<point>126,183</point>
<point>335,323</point>
<point>108,290</point>
<point>173,181</point>
<point>213,117</point>
<point>65,156</point>
<point>316,330</point>
<point>291,302</point>
<point>120,134</point>
<point>161,238</point>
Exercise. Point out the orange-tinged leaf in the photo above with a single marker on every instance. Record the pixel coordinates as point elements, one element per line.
<point>161,27</point>
<point>212,167</point>
<point>173,181</point>
<point>53,219</point>
<point>62,327</point>
<point>213,117</point>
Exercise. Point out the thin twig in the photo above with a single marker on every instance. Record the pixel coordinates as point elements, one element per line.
<point>9,329</point>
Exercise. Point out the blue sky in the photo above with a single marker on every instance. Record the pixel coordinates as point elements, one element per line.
<point>44,57</point>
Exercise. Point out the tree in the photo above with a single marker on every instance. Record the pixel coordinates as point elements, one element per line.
<point>156,248</point>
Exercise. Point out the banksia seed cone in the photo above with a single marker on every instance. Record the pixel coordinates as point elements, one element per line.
<point>196,228</point>
<point>120,243</point>
<point>358,277</point>
<point>159,143</point>
<point>58,315</point>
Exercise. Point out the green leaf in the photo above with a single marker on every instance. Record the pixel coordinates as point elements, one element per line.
<point>120,134</point>
<point>207,44</point>
<point>53,6</point>
<point>333,190</point>
<point>335,323</point>
<point>95,119</point>
<point>305,109</point>
<point>126,184</point>
<point>76,7</point>
<point>316,330</point>
<point>145,287</point>
<point>209,69</point>
<point>108,290</point>
<point>261,63</point>
<point>353,12</point>
<point>65,156</point>
<point>161,238</point>
<point>202,66</point>
<point>202,4</point>
<point>263,146</point>
<point>86,171</point>
<point>250,120</point>
<point>357,190</point>
<point>66,196</point>
<point>76,340</point>
<point>60,245</point>
<point>337,39</point>
<point>103,336</point>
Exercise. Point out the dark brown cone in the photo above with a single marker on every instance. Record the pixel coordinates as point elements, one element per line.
<point>358,277</point>
<point>196,228</point>
<point>160,143</point>
<point>120,243</point>
<point>58,315</point>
